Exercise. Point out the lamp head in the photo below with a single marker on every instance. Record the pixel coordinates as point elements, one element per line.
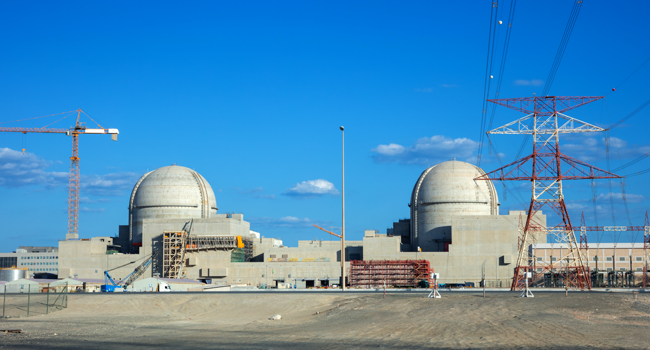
<point>342,128</point>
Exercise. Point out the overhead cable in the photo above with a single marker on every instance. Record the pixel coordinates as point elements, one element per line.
<point>488,69</point>
<point>639,109</point>
<point>629,76</point>
<point>504,56</point>
<point>568,30</point>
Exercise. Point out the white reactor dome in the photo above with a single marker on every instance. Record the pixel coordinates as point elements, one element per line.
<point>171,192</point>
<point>445,190</point>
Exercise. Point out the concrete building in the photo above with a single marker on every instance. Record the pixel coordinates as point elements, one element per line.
<point>444,191</point>
<point>602,256</point>
<point>37,260</point>
<point>454,221</point>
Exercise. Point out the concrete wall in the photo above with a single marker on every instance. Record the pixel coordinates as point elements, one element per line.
<point>443,191</point>
<point>479,243</point>
<point>88,259</point>
<point>268,273</point>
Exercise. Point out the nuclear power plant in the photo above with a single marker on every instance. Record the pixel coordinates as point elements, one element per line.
<point>174,221</point>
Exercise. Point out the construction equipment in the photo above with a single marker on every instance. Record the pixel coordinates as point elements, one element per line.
<point>111,286</point>
<point>74,178</point>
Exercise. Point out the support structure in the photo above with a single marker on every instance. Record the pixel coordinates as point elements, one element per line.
<point>546,168</point>
<point>342,208</point>
<point>434,288</point>
<point>174,244</point>
<point>73,189</point>
<point>395,273</point>
<point>177,243</point>
<point>646,247</point>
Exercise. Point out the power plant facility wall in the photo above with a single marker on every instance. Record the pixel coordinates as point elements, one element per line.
<point>454,222</point>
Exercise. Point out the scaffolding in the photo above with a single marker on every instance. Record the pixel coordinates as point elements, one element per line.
<point>173,253</point>
<point>395,273</point>
<point>177,243</point>
<point>198,243</point>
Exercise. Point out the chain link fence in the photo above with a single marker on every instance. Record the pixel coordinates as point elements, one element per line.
<point>33,300</point>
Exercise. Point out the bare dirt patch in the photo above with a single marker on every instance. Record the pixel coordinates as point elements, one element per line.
<point>338,321</point>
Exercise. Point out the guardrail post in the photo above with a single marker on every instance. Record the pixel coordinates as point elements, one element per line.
<point>4,301</point>
<point>47,308</point>
<point>66,295</point>
<point>29,294</point>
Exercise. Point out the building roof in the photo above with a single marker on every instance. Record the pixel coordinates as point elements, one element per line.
<point>90,280</point>
<point>43,280</point>
<point>178,280</point>
<point>23,281</point>
<point>78,281</point>
<point>590,245</point>
<point>171,191</point>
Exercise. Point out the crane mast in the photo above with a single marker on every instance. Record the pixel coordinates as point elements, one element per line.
<point>75,172</point>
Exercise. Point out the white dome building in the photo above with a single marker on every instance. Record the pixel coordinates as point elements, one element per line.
<point>171,192</point>
<point>445,190</point>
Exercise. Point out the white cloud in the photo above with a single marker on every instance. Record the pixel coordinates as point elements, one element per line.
<point>575,206</point>
<point>427,150</point>
<point>115,184</point>
<point>87,200</point>
<point>18,170</point>
<point>592,150</point>
<point>391,149</point>
<point>89,210</point>
<point>533,82</point>
<point>424,90</point>
<point>286,221</point>
<point>312,188</point>
<point>448,85</point>
<point>631,198</point>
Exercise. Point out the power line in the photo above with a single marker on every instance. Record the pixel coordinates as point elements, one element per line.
<point>629,76</point>
<point>639,109</point>
<point>632,162</point>
<point>504,56</point>
<point>568,30</point>
<point>488,70</point>
<point>639,173</point>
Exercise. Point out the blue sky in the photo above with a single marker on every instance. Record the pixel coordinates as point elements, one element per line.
<point>251,95</point>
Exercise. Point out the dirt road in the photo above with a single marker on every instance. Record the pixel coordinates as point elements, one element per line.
<point>331,321</point>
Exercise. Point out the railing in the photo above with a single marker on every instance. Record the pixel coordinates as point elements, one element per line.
<point>29,300</point>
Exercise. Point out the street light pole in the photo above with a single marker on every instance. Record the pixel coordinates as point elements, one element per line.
<point>343,207</point>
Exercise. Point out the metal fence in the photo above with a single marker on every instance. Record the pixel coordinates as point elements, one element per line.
<point>34,301</point>
<point>498,283</point>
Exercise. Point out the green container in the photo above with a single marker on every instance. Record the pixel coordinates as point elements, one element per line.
<point>238,255</point>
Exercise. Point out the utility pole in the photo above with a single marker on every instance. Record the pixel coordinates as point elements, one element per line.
<point>343,207</point>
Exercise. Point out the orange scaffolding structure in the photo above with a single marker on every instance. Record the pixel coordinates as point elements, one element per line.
<point>394,273</point>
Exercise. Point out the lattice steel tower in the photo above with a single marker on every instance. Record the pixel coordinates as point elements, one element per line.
<point>546,168</point>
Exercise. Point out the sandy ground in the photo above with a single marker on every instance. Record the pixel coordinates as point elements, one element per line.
<point>338,321</point>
